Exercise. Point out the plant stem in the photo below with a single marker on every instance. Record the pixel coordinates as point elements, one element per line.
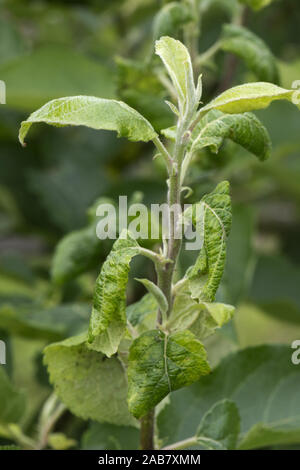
<point>147,431</point>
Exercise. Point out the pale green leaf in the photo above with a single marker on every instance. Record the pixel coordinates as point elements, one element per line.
<point>215,213</point>
<point>59,441</point>
<point>12,401</point>
<point>201,318</point>
<point>157,294</point>
<point>263,383</point>
<point>248,97</point>
<point>89,111</point>
<point>160,364</point>
<point>108,319</point>
<point>256,4</point>
<point>89,384</point>
<point>170,19</point>
<point>75,254</point>
<point>254,51</point>
<point>243,129</point>
<point>220,426</point>
<point>177,61</point>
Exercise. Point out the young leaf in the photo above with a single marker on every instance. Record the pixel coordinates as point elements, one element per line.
<point>205,276</point>
<point>157,294</point>
<point>75,254</point>
<point>202,318</point>
<point>248,97</point>
<point>244,129</point>
<point>170,19</point>
<point>108,319</point>
<point>253,50</point>
<point>93,112</point>
<point>89,384</point>
<point>159,364</point>
<point>12,402</point>
<point>177,61</point>
<point>220,426</point>
<point>256,4</point>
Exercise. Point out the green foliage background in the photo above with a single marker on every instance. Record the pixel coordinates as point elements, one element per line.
<point>50,49</point>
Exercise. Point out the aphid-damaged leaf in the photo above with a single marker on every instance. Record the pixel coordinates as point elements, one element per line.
<point>253,50</point>
<point>157,294</point>
<point>201,318</point>
<point>205,276</point>
<point>220,426</point>
<point>89,111</point>
<point>243,129</point>
<point>108,319</point>
<point>248,97</point>
<point>142,314</point>
<point>89,384</point>
<point>177,61</point>
<point>160,364</point>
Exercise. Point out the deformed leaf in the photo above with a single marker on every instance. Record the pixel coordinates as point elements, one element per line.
<point>96,113</point>
<point>157,294</point>
<point>204,277</point>
<point>220,426</point>
<point>142,314</point>
<point>160,364</point>
<point>201,318</point>
<point>177,61</point>
<point>253,50</point>
<point>89,384</point>
<point>243,129</point>
<point>108,319</point>
<point>248,97</point>
<point>12,402</point>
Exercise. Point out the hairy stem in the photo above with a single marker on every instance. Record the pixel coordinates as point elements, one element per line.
<point>147,431</point>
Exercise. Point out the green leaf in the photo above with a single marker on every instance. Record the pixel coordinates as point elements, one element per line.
<point>89,111</point>
<point>215,213</point>
<point>253,50</point>
<point>202,318</point>
<point>89,384</point>
<point>108,320</point>
<point>262,381</point>
<point>220,426</point>
<point>160,364</point>
<point>248,97</point>
<point>53,71</point>
<point>157,294</point>
<point>142,314</point>
<point>75,254</point>
<point>12,402</point>
<point>110,437</point>
<point>256,4</point>
<point>56,323</point>
<point>170,19</point>
<point>243,129</point>
<point>177,61</point>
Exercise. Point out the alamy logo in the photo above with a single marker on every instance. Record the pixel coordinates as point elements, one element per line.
<point>296,354</point>
<point>2,353</point>
<point>2,92</point>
